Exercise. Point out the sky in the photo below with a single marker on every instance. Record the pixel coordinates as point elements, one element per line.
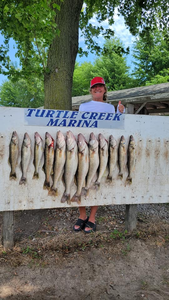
<point>120,31</point>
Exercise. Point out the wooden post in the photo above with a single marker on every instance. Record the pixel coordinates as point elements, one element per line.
<point>131,209</point>
<point>8,229</point>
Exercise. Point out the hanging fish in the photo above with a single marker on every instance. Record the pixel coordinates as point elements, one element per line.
<point>70,166</point>
<point>121,156</point>
<point>131,159</point>
<point>93,161</point>
<point>83,167</point>
<point>48,159</point>
<point>112,157</point>
<point>60,158</point>
<point>38,153</point>
<point>103,157</point>
<point>13,154</point>
<point>25,157</point>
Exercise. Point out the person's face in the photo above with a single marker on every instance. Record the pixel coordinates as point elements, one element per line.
<point>97,92</point>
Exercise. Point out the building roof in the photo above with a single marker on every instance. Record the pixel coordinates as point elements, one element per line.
<point>153,98</point>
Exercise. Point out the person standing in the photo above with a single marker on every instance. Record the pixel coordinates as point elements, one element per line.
<point>98,92</point>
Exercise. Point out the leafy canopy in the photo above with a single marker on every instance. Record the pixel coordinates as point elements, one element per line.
<point>32,25</point>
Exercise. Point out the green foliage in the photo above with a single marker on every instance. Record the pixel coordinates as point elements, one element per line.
<point>111,65</point>
<point>32,25</point>
<point>151,58</point>
<point>141,17</point>
<point>22,93</point>
<point>162,77</point>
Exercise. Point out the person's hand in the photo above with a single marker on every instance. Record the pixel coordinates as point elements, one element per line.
<point>120,107</point>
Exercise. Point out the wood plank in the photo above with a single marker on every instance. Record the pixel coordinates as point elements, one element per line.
<point>8,230</point>
<point>131,210</point>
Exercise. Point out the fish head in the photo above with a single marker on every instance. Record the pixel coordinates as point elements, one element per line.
<point>131,141</point>
<point>93,142</point>
<point>70,140</point>
<point>112,141</point>
<point>82,143</point>
<point>122,140</point>
<point>60,139</point>
<point>14,138</point>
<point>102,141</point>
<point>26,140</point>
<point>49,140</point>
<point>38,138</point>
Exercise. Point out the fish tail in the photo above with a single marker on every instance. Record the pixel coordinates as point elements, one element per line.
<point>120,175</point>
<point>12,175</point>
<point>46,185</point>
<point>129,180</point>
<point>35,175</point>
<point>97,185</point>
<point>53,191</point>
<point>84,191</point>
<point>109,178</point>
<point>22,180</point>
<point>76,198</point>
<point>66,197</point>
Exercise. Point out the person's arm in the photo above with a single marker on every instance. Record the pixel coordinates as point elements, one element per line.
<point>120,108</point>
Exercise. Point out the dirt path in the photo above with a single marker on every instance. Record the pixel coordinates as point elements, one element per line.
<point>50,261</point>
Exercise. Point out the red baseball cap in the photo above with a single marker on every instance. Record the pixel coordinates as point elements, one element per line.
<point>97,80</point>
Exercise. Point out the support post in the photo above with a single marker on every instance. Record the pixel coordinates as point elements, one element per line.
<point>8,229</point>
<point>131,217</point>
<point>131,209</point>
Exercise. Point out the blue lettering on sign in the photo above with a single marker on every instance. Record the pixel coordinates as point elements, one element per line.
<point>94,124</point>
<point>50,114</point>
<point>86,123</point>
<point>117,117</point>
<point>79,123</point>
<point>65,114</point>
<point>109,116</point>
<point>30,111</point>
<point>73,118</point>
<point>63,123</point>
<point>74,114</point>
<point>53,123</point>
<point>72,123</point>
<point>84,115</point>
<point>59,113</point>
<point>93,116</point>
<point>101,117</point>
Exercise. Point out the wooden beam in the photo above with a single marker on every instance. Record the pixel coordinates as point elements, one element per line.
<point>140,108</point>
<point>8,229</point>
<point>131,210</point>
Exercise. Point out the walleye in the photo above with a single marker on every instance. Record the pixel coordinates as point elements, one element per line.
<point>13,154</point>
<point>112,156</point>
<point>93,160</point>
<point>38,152</point>
<point>121,156</point>
<point>48,159</point>
<point>60,158</point>
<point>25,157</point>
<point>131,158</point>
<point>83,166</point>
<point>70,166</point>
<point>103,157</point>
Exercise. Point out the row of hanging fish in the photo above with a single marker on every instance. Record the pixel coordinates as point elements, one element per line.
<point>70,159</point>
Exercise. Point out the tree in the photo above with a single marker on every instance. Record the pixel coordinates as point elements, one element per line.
<point>150,58</point>
<point>111,65</point>
<point>22,93</point>
<point>81,78</point>
<point>46,33</point>
<point>162,77</point>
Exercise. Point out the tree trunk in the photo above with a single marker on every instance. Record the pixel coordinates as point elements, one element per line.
<point>62,55</point>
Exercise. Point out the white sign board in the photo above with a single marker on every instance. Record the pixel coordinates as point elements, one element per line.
<point>150,182</point>
<point>72,119</point>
